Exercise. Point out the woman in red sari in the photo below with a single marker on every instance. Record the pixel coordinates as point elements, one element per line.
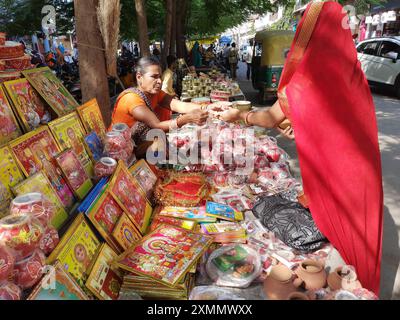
<point>325,95</point>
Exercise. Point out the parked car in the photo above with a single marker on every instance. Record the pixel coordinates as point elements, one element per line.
<point>380,61</point>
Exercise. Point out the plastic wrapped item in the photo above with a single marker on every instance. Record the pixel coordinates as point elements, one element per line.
<point>234,266</point>
<point>117,147</point>
<point>128,294</point>
<point>213,293</point>
<point>105,167</point>
<point>49,240</point>
<point>7,261</point>
<point>34,204</point>
<point>124,129</point>
<point>21,233</point>
<point>10,291</point>
<point>28,271</point>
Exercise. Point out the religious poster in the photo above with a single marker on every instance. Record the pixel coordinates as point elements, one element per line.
<point>39,183</point>
<point>94,146</point>
<point>30,109</point>
<point>69,133</point>
<point>36,151</point>
<point>52,90</point>
<point>77,251</point>
<point>130,197</point>
<point>74,173</point>
<point>165,255</point>
<point>144,176</point>
<point>10,175</point>
<point>9,128</point>
<point>92,119</point>
<point>57,284</point>
<point>125,233</point>
<point>104,215</point>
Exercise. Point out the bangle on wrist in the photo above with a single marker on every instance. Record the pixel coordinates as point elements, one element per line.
<point>246,120</point>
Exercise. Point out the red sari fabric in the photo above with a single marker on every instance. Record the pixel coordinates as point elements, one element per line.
<point>333,116</point>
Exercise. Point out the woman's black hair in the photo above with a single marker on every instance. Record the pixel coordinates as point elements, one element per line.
<point>142,65</point>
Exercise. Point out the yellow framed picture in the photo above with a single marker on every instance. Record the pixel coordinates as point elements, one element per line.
<point>69,133</point>
<point>92,118</point>
<point>10,175</point>
<point>130,197</point>
<point>39,183</point>
<point>52,90</point>
<point>77,250</point>
<point>9,127</point>
<point>31,110</point>
<point>35,151</point>
<point>105,280</point>
<point>125,233</point>
<point>145,177</point>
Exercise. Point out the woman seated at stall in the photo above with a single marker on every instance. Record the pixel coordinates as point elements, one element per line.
<point>141,107</point>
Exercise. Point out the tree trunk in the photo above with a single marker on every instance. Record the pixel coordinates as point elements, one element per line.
<point>168,29</point>
<point>172,49</point>
<point>92,61</point>
<point>181,16</point>
<point>144,42</point>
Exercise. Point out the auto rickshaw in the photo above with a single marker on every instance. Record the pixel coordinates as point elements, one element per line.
<point>270,50</point>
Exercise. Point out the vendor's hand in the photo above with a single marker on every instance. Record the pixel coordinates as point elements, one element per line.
<point>198,117</point>
<point>231,115</point>
<point>288,132</point>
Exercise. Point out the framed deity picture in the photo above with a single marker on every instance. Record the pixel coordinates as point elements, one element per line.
<point>94,146</point>
<point>145,177</point>
<point>57,284</point>
<point>77,250</point>
<point>69,133</point>
<point>125,233</point>
<point>10,175</point>
<point>92,119</point>
<point>31,110</point>
<point>104,214</point>
<point>105,280</point>
<point>39,183</point>
<point>74,173</point>
<point>130,197</point>
<point>9,127</point>
<point>165,255</point>
<point>35,151</point>
<point>52,90</point>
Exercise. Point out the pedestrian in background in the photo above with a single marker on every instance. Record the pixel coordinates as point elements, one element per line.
<point>233,60</point>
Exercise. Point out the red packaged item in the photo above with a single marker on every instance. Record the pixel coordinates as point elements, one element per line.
<point>10,291</point>
<point>105,167</point>
<point>28,271</point>
<point>124,129</point>
<point>49,240</point>
<point>34,204</point>
<point>117,147</point>
<point>7,261</point>
<point>21,233</point>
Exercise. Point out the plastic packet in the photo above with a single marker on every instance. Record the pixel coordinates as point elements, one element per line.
<point>105,167</point>
<point>117,147</point>
<point>213,293</point>
<point>7,261</point>
<point>10,291</point>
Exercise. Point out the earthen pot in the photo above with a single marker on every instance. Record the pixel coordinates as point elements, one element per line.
<point>279,283</point>
<point>311,274</point>
<point>297,296</point>
<point>345,278</point>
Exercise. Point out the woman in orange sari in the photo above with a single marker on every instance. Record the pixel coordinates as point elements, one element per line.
<point>325,95</point>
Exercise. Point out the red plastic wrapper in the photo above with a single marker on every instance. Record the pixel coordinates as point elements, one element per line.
<point>21,233</point>
<point>28,271</point>
<point>49,240</point>
<point>118,147</point>
<point>7,261</point>
<point>105,167</point>
<point>10,291</point>
<point>36,205</point>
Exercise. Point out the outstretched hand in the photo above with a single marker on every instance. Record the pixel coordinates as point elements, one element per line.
<point>288,132</point>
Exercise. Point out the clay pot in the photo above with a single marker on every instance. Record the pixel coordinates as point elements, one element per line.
<point>345,278</point>
<point>311,274</point>
<point>21,233</point>
<point>28,272</point>
<point>297,296</point>
<point>279,283</point>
